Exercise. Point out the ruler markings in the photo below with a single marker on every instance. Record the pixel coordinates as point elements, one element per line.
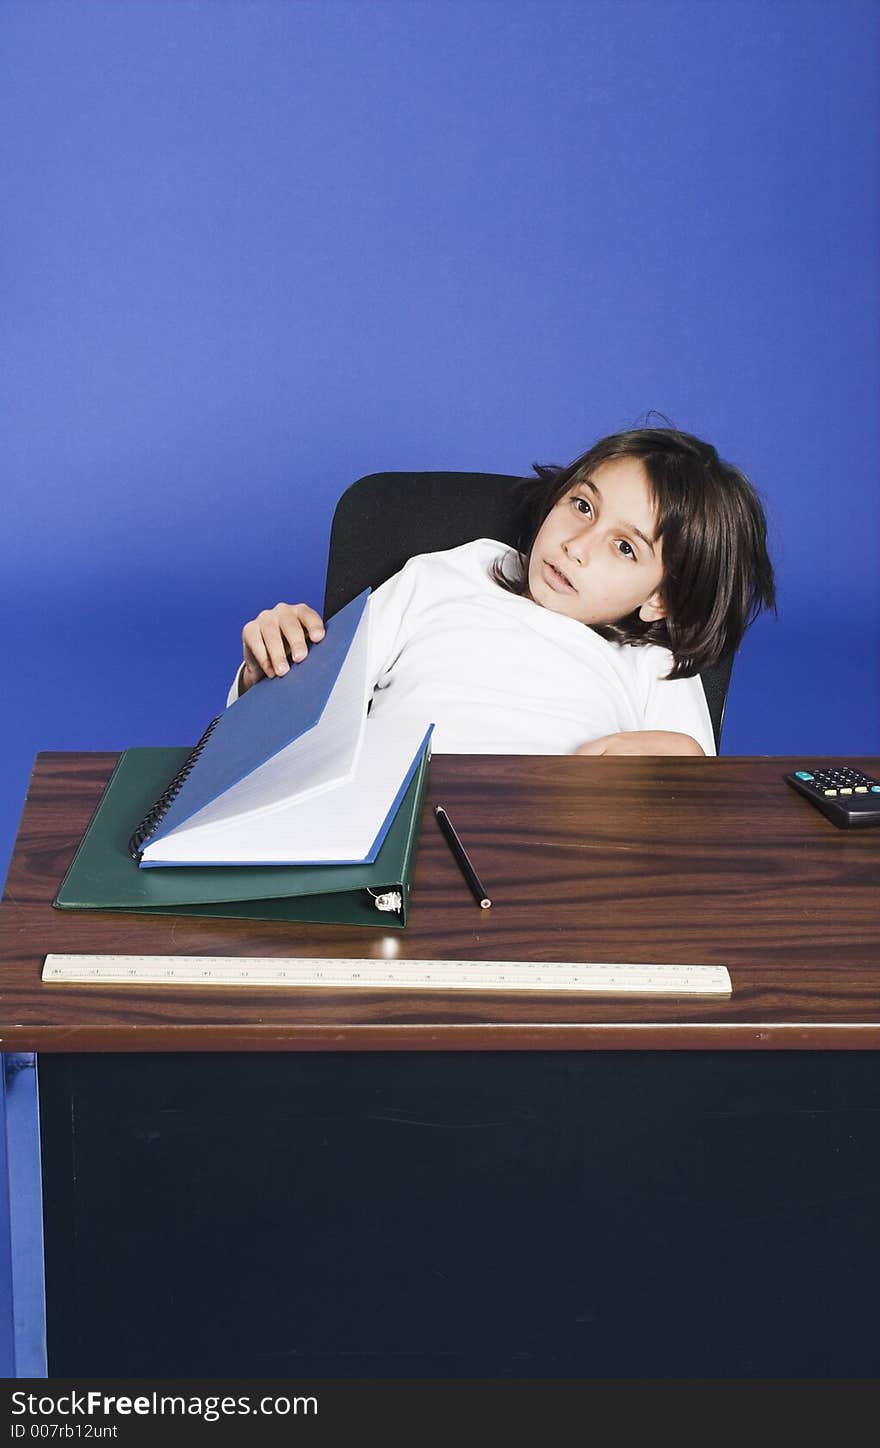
<point>372,974</point>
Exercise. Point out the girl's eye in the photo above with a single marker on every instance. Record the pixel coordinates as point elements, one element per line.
<point>583,506</point>
<point>627,549</point>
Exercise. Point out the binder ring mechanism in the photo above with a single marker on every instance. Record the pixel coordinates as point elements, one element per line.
<point>386,899</point>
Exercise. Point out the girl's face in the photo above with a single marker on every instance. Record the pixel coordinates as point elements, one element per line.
<point>596,558</point>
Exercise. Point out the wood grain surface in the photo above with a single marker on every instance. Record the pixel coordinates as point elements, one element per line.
<point>692,861</point>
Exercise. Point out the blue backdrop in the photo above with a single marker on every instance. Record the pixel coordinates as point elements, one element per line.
<point>254,250</point>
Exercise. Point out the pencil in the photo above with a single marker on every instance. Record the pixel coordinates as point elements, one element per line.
<point>460,853</point>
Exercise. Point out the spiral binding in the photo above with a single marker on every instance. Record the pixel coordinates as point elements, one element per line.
<point>152,819</point>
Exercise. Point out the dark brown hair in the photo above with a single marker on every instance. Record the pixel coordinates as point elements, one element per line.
<point>717,572</point>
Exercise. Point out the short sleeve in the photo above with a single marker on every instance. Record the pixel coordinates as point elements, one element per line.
<point>678,705</point>
<point>235,689</point>
<point>392,606</point>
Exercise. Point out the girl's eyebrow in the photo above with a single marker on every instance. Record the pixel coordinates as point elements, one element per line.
<point>627,527</point>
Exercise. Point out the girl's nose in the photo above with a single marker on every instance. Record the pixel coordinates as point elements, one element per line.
<point>575,547</point>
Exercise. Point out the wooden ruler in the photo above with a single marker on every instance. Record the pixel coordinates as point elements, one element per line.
<point>298,972</point>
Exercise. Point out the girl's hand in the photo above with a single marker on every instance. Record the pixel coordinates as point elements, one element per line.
<point>273,636</point>
<point>642,741</point>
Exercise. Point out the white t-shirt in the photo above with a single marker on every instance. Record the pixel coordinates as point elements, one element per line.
<point>498,674</point>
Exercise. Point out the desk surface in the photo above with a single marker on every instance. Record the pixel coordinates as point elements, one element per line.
<point>692,861</point>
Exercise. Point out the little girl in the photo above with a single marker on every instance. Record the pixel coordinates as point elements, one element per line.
<point>640,564</point>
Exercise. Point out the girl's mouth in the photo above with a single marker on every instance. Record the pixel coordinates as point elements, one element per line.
<point>556,579</point>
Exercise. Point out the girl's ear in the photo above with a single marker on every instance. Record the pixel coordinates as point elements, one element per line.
<point>653,608</point>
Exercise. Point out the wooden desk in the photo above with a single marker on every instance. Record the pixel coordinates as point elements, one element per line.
<point>433,1185</point>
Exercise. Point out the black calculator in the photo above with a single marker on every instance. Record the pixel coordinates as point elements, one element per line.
<point>849,798</point>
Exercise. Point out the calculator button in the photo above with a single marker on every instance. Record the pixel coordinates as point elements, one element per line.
<point>861,789</point>
<point>802,774</point>
<point>875,788</point>
<point>846,791</point>
<point>830,791</point>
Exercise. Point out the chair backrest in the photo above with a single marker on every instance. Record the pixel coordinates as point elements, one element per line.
<point>384,519</point>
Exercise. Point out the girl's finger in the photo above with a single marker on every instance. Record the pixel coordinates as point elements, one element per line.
<point>274,642</point>
<point>296,639</point>
<point>294,618</point>
<point>255,652</point>
<point>312,622</point>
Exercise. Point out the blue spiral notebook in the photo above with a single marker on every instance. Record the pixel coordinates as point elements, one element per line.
<point>295,772</point>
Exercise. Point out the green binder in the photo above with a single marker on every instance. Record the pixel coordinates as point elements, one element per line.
<point>103,876</point>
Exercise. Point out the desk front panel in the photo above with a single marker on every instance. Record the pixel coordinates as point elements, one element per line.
<point>479,1214</point>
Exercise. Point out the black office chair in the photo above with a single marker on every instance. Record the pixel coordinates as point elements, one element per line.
<point>384,519</point>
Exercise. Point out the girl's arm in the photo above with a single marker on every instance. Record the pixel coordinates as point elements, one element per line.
<point>643,741</point>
